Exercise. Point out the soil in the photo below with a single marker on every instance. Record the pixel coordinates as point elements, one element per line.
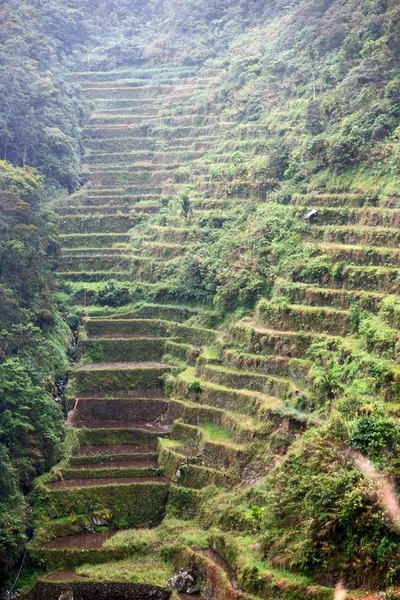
<point>84,541</point>
<point>113,449</point>
<point>130,394</point>
<point>123,365</point>
<point>125,336</point>
<point>81,483</point>
<point>118,464</point>
<point>154,427</point>
<point>67,575</point>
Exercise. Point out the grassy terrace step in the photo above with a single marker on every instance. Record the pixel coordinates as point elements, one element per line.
<point>157,328</point>
<point>149,270</point>
<point>124,104</point>
<point>140,207</point>
<point>93,240</point>
<point>118,437</point>
<point>145,92</point>
<point>169,235</point>
<point>134,107</point>
<point>126,349</point>
<point>373,217</point>
<point>124,119</point>
<point>122,144</point>
<point>368,236</point>
<point>135,167</point>
<point>84,541</point>
<point>333,200</point>
<point>178,467</point>
<point>107,132</point>
<point>247,380</point>
<point>186,353</point>
<point>119,157</point>
<point>155,82</point>
<point>235,429</point>
<point>106,208</point>
<point>251,403</point>
<point>92,252</point>
<point>335,298</point>
<point>127,73</point>
<point>138,327</point>
<point>112,469</point>
<point>134,83</point>
<point>374,279</point>
<point>269,341</point>
<point>114,376</point>
<point>181,144</point>
<point>130,410</point>
<point>126,200</point>
<point>70,484</point>
<point>165,312</point>
<point>294,317</point>
<point>126,177</point>
<point>361,255</point>
<point>163,250</point>
<point>217,445</point>
<point>207,205</point>
<point>98,223</point>
<point>117,261</point>
<point>280,366</point>
<point>103,454</point>
<point>69,551</point>
<point>100,426</point>
<point>95,276</point>
<point>129,190</point>
<point>100,191</point>
<point>122,496</point>
<point>177,157</point>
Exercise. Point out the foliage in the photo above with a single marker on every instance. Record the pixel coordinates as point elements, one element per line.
<point>235,264</point>
<point>317,495</point>
<point>12,515</point>
<point>41,112</point>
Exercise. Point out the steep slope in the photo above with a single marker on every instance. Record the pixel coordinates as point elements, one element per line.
<point>128,441</point>
<point>235,265</point>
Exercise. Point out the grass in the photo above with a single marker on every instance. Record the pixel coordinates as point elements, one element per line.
<point>172,532</point>
<point>358,179</point>
<point>151,570</point>
<point>214,433</point>
<point>210,353</point>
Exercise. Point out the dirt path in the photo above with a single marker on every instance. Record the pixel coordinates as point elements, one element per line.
<point>222,564</point>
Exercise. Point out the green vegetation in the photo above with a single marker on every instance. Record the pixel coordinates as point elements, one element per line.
<point>227,259</point>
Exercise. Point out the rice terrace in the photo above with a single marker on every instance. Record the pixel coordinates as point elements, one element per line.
<point>200,299</point>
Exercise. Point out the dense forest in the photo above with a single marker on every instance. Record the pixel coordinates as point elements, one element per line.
<point>274,226</point>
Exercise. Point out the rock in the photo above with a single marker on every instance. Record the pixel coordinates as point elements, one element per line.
<point>185,582</point>
<point>68,595</point>
<point>97,520</point>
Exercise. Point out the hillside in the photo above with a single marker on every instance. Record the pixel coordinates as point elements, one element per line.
<point>227,259</point>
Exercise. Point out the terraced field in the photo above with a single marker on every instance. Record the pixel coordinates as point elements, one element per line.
<point>162,403</point>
